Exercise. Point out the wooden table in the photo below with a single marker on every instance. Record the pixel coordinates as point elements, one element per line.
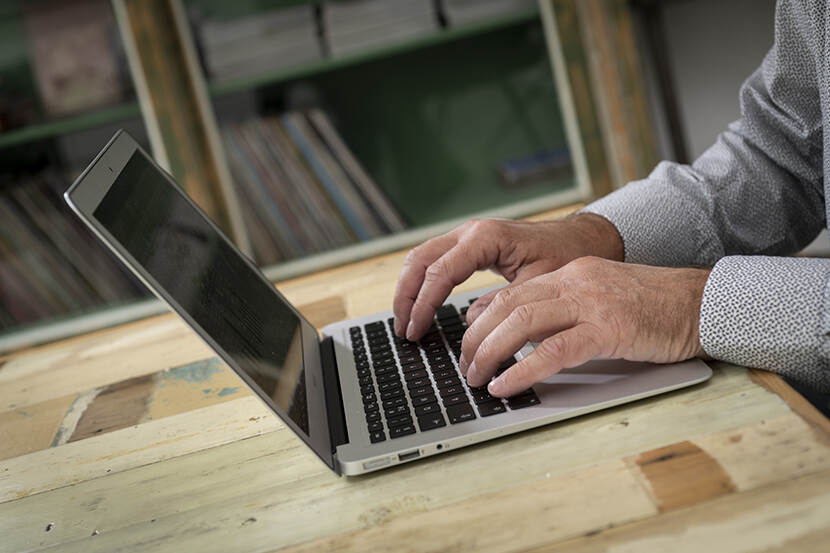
<point>138,439</point>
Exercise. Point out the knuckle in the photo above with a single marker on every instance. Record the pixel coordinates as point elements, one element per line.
<point>504,298</point>
<point>522,316</point>
<point>435,272</point>
<point>412,257</point>
<point>480,226</point>
<point>584,264</point>
<point>552,349</point>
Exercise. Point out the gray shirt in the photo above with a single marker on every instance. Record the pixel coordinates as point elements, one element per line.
<point>757,193</point>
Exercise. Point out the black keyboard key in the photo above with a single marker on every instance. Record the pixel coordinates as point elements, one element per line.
<point>451,390</point>
<point>391,394</point>
<point>364,373</point>
<point>383,364</point>
<point>423,400</point>
<point>371,406</point>
<point>415,375</point>
<point>460,413</point>
<point>375,426</point>
<point>414,366</point>
<point>446,373</point>
<point>410,358</point>
<point>441,366</point>
<point>373,416</point>
<point>418,382</point>
<point>448,382</point>
<point>390,385</point>
<point>367,389</point>
<point>397,411</point>
<point>399,431</point>
<point>455,400</point>
<point>472,301</point>
<point>369,397</point>
<point>481,395</point>
<point>394,403</point>
<point>355,330</point>
<point>444,311</point>
<point>377,436</point>
<point>434,420</point>
<point>388,376</point>
<point>523,400</point>
<point>491,408</point>
<point>422,391</point>
<point>427,409</point>
<point>399,420</point>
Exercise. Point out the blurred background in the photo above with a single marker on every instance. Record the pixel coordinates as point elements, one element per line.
<point>323,131</point>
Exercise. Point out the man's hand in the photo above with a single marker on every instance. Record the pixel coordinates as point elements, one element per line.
<point>517,250</point>
<point>590,308</point>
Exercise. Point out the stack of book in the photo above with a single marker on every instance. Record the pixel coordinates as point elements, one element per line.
<point>301,189</point>
<point>354,25</point>
<point>459,12</point>
<point>49,263</point>
<point>261,42</point>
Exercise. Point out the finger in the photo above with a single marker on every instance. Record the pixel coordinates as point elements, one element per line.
<point>412,276</point>
<point>505,301</point>
<point>529,321</point>
<point>451,269</point>
<point>564,350</point>
<point>478,306</point>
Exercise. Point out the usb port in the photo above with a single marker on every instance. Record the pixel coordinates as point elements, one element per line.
<point>409,455</point>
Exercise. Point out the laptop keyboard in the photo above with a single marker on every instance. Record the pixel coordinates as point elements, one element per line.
<point>410,386</point>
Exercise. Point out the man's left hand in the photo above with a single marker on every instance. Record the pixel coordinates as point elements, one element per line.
<point>589,308</point>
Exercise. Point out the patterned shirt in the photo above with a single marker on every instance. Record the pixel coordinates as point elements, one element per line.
<point>756,194</point>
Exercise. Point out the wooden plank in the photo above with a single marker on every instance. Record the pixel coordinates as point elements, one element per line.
<point>32,428</point>
<point>682,474</point>
<point>790,515</point>
<point>294,498</point>
<point>796,401</point>
<point>107,359</point>
<point>134,446</point>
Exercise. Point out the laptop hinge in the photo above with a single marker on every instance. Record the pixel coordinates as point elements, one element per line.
<point>334,397</point>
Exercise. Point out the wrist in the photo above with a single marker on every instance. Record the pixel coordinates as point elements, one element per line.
<point>598,236</point>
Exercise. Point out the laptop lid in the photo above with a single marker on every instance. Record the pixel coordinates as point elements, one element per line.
<point>154,228</point>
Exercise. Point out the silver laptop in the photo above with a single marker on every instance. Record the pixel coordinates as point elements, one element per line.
<point>361,398</point>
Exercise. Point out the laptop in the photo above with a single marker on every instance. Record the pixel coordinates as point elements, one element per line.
<point>358,396</point>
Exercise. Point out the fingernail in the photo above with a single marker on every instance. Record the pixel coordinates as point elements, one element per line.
<point>398,328</point>
<point>410,331</point>
<point>462,364</point>
<point>496,387</point>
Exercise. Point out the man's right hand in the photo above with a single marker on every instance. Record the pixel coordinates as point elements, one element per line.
<point>516,250</point>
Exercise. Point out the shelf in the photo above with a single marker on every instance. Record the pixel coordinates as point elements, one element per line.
<point>57,127</point>
<point>306,70</point>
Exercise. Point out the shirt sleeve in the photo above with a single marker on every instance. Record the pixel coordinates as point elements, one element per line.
<point>770,313</point>
<point>758,189</point>
<point>757,192</point>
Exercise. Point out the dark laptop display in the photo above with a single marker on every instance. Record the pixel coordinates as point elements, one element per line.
<point>212,283</point>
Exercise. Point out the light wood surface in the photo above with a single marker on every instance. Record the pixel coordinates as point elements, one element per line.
<point>137,439</point>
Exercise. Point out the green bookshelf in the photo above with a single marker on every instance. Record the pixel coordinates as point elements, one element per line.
<point>66,125</point>
<point>441,36</point>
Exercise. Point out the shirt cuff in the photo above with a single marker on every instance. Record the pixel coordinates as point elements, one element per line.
<point>660,224</point>
<point>770,313</point>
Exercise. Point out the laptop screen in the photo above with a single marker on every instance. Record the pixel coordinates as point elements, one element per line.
<point>200,271</point>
